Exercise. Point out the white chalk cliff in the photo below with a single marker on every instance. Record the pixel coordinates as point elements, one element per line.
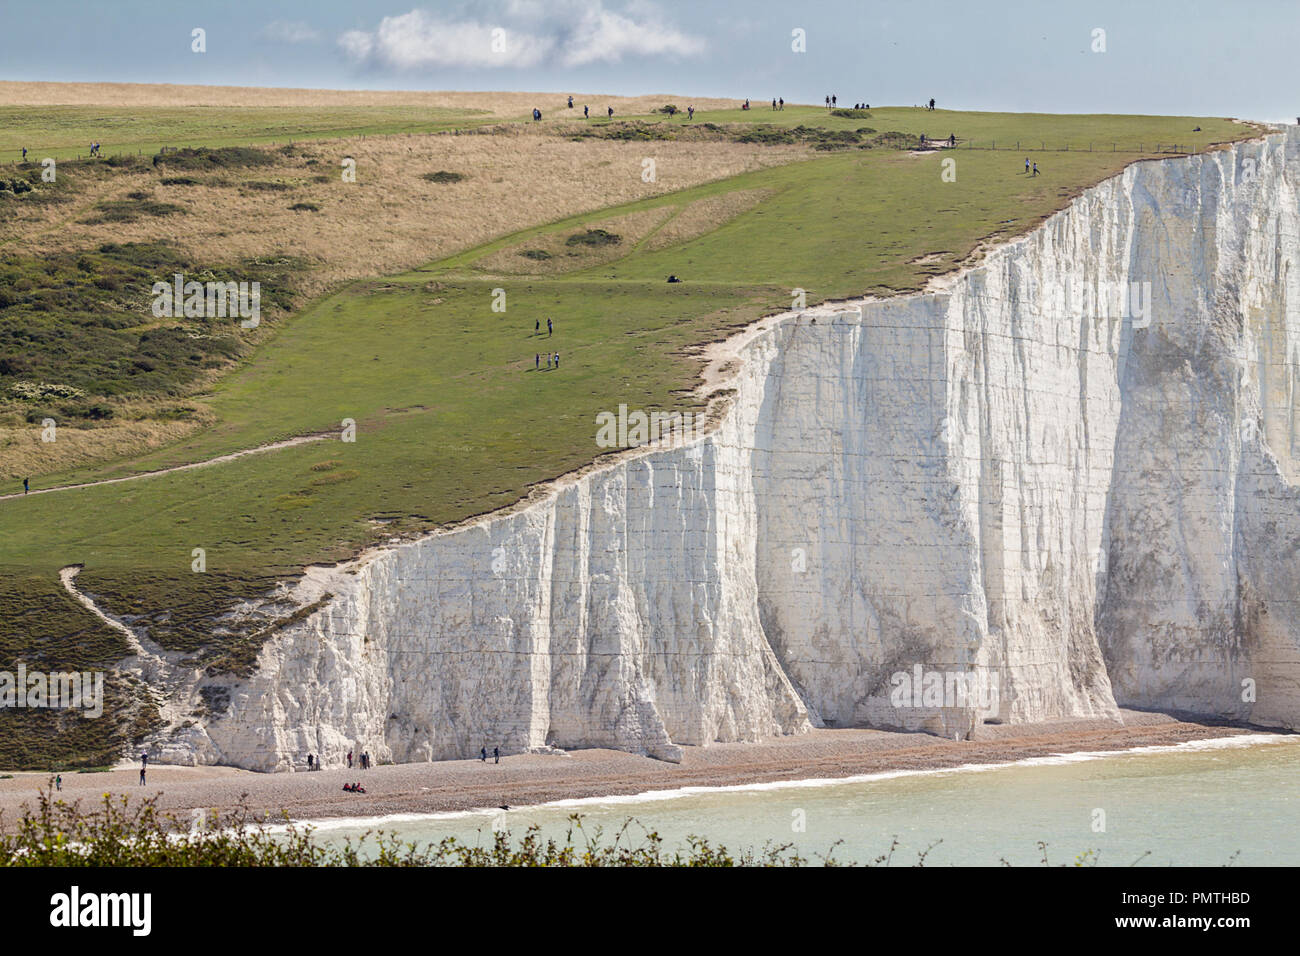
<point>1013,475</point>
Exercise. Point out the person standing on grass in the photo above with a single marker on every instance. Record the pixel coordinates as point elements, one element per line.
<point>690,113</point>
<point>24,154</point>
<point>1026,165</point>
<point>537,362</point>
<point>25,486</point>
<point>781,100</point>
<point>549,328</point>
<point>586,111</point>
<point>611,111</point>
<point>1035,169</point>
<point>557,359</point>
<point>570,102</point>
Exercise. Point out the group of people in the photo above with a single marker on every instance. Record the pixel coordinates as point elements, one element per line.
<point>496,754</point>
<point>363,759</point>
<point>354,787</point>
<point>552,359</point>
<point>1027,167</point>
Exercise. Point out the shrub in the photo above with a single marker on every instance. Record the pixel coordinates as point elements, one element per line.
<point>593,237</point>
<point>851,113</point>
<point>536,254</point>
<point>443,176</point>
<point>305,207</point>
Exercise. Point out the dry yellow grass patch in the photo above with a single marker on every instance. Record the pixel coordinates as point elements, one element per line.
<point>703,216</point>
<point>391,218</point>
<point>564,257</point>
<point>24,455</point>
<point>504,104</point>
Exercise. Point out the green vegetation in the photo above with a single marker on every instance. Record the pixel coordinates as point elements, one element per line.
<point>443,176</point>
<point>57,833</point>
<point>84,322</point>
<point>452,420</point>
<point>593,237</point>
<point>65,132</point>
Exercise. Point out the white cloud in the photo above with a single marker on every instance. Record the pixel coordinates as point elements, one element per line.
<point>289,31</point>
<point>520,33</point>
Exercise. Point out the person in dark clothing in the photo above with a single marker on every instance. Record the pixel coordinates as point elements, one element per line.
<point>549,328</point>
<point>26,487</point>
<point>932,102</point>
<point>537,362</point>
<point>1035,169</point>
<point>557,359</point>
<point>611,111</point>
<point>586,112</point>
<point>349,759</point>
<point>142,776</point>
<point>496,753</point>
<point>310,761</point>
<point>570,102</point>
<point>482,755</point>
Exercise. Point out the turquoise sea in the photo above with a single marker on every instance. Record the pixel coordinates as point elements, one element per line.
<point>1216,802</point>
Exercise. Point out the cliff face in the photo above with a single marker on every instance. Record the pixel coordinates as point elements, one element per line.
<point>1023,479</point>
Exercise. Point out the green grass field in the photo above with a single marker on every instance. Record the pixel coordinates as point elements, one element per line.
<point>453,421</point>
<point>66,132</point>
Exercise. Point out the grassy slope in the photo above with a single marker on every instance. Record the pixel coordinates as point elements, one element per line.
<point>452,419</point>
<point>65,132</point>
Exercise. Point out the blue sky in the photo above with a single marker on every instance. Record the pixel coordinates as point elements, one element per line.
<point>1210,58</point>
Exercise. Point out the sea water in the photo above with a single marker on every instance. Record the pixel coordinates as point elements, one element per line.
<point>1216,802</point>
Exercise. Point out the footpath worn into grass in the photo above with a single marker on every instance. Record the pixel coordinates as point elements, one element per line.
<point>452,419</point>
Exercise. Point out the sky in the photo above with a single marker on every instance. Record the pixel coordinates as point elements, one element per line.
<point>1163,56</point>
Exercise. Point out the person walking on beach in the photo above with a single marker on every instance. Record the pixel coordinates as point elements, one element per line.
<point>482,755</point>
<point>142,776</point>
<point>349,759</point>
<point>144,759</point>
<point>496,753</point>
<point>310,761</point>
